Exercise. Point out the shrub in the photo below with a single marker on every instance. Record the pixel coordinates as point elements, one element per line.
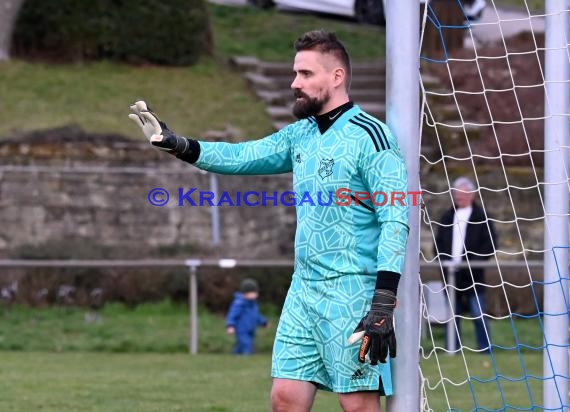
<point>91,286</point>
<point>169,32</point>
<point>41,286</point>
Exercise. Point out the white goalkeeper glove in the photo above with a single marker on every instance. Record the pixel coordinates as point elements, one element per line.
<point>158,133</point>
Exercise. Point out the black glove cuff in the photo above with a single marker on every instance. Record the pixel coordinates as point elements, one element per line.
<point>181,144</point>
<point>388,280</point>
<point>192,151</point>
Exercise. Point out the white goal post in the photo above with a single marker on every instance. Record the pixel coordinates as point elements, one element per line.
<point>403,118</point>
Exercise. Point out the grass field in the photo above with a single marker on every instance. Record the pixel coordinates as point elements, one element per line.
<point>67,359</point>
<point>449,386</point>
<point>129,359</point>
<point>154,327</point>
<point>70,382</point>
<point>100,382</point>
<point>162,327</point>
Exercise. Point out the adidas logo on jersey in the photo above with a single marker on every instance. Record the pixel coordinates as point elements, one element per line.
<point>357,375</point>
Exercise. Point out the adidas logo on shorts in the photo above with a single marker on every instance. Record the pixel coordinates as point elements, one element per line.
<point>357,375</point>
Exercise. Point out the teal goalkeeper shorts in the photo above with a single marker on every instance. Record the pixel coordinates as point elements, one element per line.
<point>311,341</point>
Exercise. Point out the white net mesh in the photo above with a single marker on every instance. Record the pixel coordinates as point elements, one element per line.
<point>484,98</point>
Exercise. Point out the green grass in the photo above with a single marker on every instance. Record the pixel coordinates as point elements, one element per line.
<point>97,96</point>
<point>125,382</point>
<point>32,381</point>
<point>525,332</point>
<point>270,34</point>
<point>155,327</point>
<point>473,376</point>
<point>470,382</point>
<point>192,100</point>
<point>163,327</point>
<point>74,361</point>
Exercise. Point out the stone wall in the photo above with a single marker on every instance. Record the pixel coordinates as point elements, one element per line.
<point>64,184</point>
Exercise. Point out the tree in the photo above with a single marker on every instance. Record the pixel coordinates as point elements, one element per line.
<point>8,14</point>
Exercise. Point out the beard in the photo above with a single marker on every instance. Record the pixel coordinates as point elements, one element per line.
<point>308,106</point>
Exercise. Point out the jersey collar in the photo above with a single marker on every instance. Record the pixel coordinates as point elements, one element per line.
<point>326,120</point>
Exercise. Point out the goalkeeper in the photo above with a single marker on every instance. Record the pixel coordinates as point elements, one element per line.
<point>336,329</point>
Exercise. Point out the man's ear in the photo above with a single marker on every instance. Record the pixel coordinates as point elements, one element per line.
<point>339,76</point>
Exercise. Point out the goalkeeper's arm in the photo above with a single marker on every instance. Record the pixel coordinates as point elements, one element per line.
<point>270,155</point>
<point>161,136</point>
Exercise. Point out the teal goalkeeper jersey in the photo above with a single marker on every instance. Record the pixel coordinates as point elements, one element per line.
<point>350,187</point>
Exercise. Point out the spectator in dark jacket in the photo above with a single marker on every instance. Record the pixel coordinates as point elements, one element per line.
<point>467,235</point>
<point>244,317</point>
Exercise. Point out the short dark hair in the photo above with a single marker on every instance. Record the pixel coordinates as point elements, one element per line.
<point>326,42</point>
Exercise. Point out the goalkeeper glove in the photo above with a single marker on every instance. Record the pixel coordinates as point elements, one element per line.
<point>158,133</point>
<point>377,329</point>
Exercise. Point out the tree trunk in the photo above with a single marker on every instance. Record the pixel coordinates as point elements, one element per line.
<point>439,41</point>
<point>8,14</point>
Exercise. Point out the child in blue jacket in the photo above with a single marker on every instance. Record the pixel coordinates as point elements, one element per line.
<point>244,317</point>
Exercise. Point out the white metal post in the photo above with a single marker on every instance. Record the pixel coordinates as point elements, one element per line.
<point>193,308</point>
<point>215,210</point>
<point>403,118</point>
<point>451,343</point>
<point>556,200</point>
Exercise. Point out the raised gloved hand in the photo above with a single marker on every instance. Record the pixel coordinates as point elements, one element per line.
<point>157,132</point>
<point>377,329</point>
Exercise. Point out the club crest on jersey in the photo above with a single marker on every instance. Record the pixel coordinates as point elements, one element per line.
<point>325,168</point>
<point>298,158</point>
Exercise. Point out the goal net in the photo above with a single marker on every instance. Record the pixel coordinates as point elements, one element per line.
<point>494,278</point>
